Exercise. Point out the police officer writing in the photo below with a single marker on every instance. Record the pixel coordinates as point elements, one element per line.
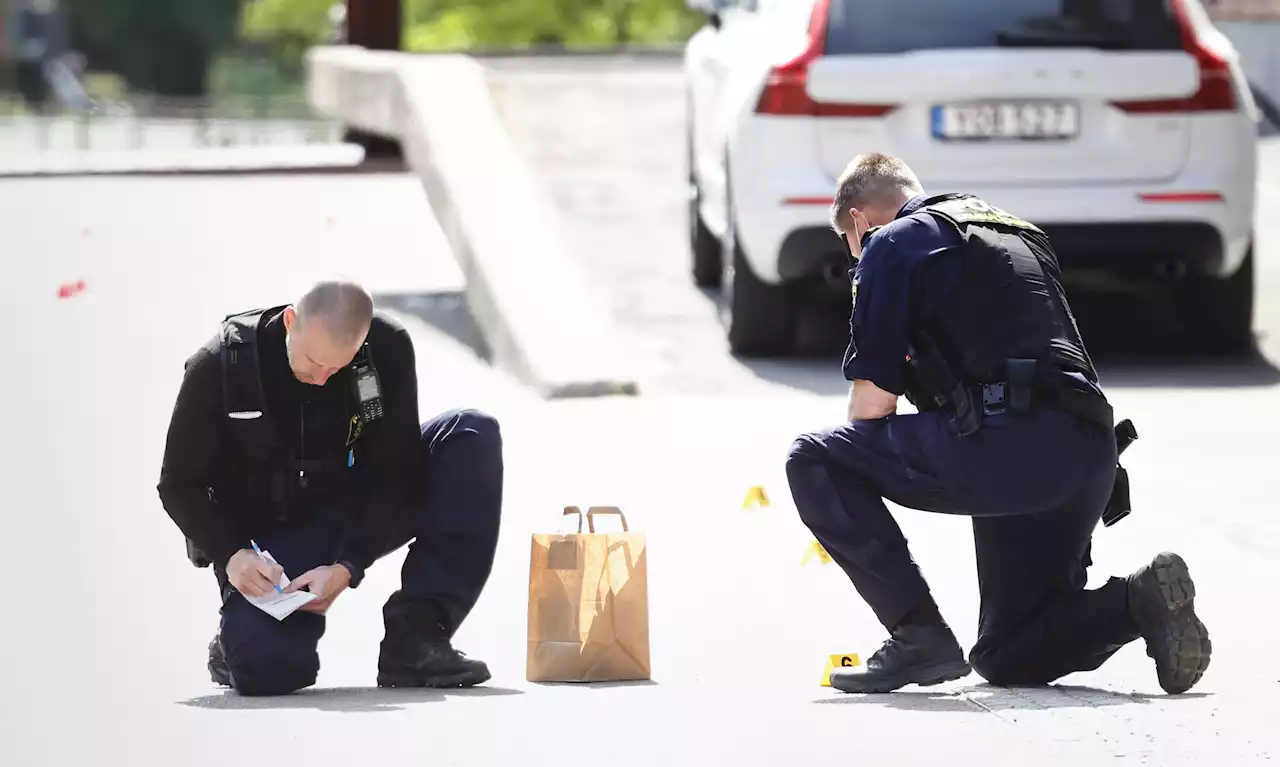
<point>958,306</point>
<point>296,429</point>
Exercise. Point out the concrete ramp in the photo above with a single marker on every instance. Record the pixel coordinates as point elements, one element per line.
<point>540,320</point>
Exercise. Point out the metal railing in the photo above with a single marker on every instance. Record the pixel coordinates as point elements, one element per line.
<point>141,122</point>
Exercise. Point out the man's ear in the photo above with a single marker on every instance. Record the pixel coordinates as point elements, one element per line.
<point>860,221</point>
<point>290,316</point>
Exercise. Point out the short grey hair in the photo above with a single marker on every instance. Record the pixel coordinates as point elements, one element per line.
<point>871,180</point>
<point>344,308</point>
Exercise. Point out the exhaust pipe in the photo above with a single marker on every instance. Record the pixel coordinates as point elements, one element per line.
<point>1171,271</point>
<point>836,275</point>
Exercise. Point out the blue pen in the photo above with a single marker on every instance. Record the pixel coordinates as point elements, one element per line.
<point>258,551</point>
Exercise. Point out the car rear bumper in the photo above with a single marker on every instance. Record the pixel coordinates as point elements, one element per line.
<point>1138,250</point>
<point>1118,232</point>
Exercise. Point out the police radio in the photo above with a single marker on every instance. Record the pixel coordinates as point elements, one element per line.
<point>368,386</point>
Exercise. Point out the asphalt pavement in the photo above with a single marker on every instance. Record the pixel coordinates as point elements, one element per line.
<point>106,629</point>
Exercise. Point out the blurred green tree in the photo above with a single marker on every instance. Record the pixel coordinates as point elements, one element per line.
<point>164,47</point>
<point>167,46</point>
<point>453,24</point>
<point>287,28</point>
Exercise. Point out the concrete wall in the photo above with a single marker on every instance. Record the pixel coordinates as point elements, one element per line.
<point>539,319</point>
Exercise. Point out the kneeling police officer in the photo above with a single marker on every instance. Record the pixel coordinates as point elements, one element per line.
<point>296,430</point>
<point>958,306</point>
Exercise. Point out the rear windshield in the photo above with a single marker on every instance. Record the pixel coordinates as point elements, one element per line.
<point>895,26</point>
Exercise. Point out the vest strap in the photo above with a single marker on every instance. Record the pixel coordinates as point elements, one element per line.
<point>964,209</point>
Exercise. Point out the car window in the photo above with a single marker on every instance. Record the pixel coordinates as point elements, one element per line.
<point>895,26</point>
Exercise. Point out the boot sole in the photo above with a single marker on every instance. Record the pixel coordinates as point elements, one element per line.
<point>219,669</point>
<point>1178,641</point>
<point>459,679</point>
<point>220,676</point>
<point>926,676</point>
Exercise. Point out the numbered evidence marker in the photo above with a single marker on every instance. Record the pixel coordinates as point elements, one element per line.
<point>756,496</point>
<point>815,551</point>
<point>837,661</point>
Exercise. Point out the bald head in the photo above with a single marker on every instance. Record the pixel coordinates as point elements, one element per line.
<point>344,309</point>
<point>326,328</point>
<point>875,184</point>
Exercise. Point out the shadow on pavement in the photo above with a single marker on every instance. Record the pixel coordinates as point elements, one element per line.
<point>447,312</point>
<point>1153,368</point>
<point>1129,349</point>
<point>984,698</point>
<point>1247,370</point>
<point>599,685</point>
<point>343,699</point>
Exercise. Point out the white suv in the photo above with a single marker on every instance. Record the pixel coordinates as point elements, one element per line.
<point>1124,128</point>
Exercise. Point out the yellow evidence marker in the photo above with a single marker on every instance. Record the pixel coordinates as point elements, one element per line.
<point>815,550</point>
<point>837,661</point>
<point>756,496</point>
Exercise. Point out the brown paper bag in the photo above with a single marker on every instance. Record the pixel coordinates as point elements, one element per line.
<point>588,604</point>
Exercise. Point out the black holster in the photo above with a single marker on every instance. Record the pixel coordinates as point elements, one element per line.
<point>933,386</point>
<point>1118,506</point>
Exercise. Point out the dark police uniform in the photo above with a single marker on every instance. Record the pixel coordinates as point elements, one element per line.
<point>315,478</point>
<point>953,284</point>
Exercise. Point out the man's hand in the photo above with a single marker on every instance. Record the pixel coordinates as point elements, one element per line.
<point>252,575</point>
<point>326,582</point>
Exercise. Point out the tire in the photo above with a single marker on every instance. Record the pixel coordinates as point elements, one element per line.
<point>759,318</point>
<point>706,249</point>
<point>708,258</point>
<point>1219,312</point>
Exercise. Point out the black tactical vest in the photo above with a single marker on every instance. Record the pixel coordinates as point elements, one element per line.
<point>1007,302</point>
<point>272,473</point>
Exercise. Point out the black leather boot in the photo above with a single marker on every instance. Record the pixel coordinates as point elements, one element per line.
<point>415,653</point>
<point>923,654</point>
<point>219,671</point>
<point>1162,605</point>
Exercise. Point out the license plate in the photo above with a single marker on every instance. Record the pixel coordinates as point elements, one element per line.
<point>1016,121</point>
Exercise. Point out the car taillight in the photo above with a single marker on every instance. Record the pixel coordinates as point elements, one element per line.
<point>1216,92</point>
<point>784,90</point>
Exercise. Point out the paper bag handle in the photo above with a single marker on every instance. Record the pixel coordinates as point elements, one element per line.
<point>574,510</point>
<point>591,523</point>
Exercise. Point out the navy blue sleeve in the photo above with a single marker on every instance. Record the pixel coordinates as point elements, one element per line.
<point>878,325</point>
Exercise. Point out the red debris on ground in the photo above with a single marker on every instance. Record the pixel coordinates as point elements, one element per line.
<point>69,289</point>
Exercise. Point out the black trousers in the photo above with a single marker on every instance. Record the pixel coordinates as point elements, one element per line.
<point>452,532</point>
<point>1035,487</point>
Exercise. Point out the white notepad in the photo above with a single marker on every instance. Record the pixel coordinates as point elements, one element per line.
<point>277,604</point>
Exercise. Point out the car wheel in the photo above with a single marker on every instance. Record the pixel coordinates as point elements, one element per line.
<point>1219,312</point>
<point>704,246</point>
<point>759,318</point>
